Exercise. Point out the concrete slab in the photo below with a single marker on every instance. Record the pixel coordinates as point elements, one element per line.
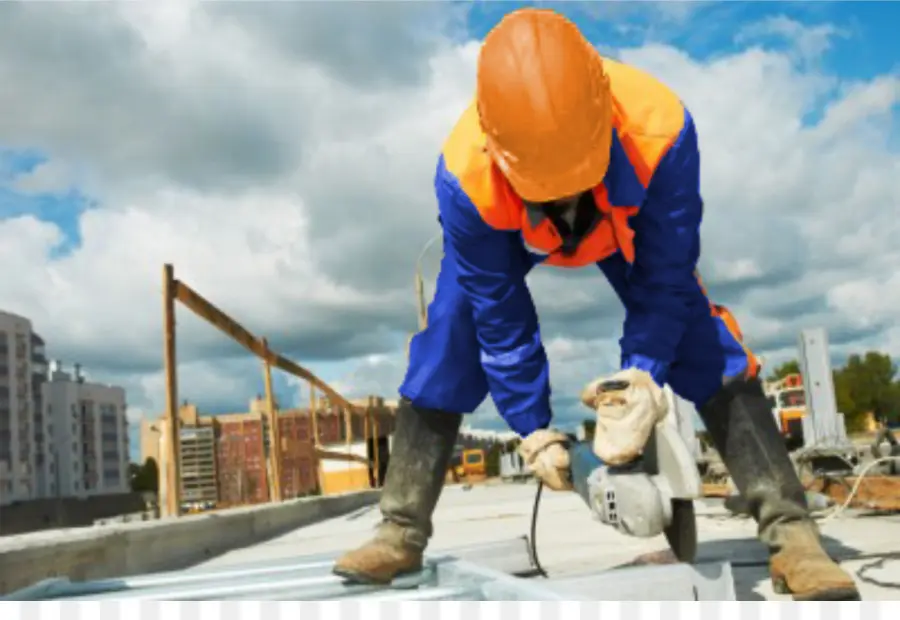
<point>570,542</point>
<point>134,548</point>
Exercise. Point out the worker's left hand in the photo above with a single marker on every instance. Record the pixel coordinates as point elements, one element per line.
<point>545,452</point>
<point>629,404</point>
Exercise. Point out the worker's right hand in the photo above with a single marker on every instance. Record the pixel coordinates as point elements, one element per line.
<point>629,405</point>
<point>546,454</point>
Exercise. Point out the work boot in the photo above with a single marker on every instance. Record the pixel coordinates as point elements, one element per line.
<point>423,446</point>
<point>740,422</point>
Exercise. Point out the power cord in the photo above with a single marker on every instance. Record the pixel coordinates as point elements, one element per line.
<point>533,538</point>
<point>859,480</point>
<point>879,563</point>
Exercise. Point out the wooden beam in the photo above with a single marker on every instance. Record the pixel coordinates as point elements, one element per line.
<point>205,309</point>
<point>173,469</point>
<point>274,428</point>
<point>331,455</point>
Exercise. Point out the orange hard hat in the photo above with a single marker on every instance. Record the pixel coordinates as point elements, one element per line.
<point>545,105</point>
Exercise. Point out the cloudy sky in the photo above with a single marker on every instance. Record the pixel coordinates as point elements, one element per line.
<point>281,157</point>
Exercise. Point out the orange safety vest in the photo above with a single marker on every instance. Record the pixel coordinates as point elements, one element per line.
<point>645,133</point>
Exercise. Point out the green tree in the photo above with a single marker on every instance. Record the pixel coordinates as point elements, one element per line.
<point>144,478</point>
<point>843,393</point>
<point>492,460</point>
<point>871,385</point>
<point>790,367</point>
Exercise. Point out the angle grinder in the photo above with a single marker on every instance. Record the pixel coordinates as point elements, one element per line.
<point>650,496</point>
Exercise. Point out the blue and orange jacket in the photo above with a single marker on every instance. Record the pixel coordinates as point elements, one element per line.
<point>651,201</point>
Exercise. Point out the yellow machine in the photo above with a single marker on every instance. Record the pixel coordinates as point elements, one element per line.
<point>788,400</point>
<point>467,466</point>
<point>473,463</point>
<point>455,472</point>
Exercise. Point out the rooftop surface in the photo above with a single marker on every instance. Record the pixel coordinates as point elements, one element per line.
<point>570,542</point>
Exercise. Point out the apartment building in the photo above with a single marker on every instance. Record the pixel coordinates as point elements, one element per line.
<point>22,368</point>
<point>242,447</point>
<point>198,466</point>
<point>86,435</point>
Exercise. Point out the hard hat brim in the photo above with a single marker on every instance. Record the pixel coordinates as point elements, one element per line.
<point>533,186</point>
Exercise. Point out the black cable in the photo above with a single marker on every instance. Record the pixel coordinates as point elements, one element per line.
<point>534,514</point>
<point>879,563</point>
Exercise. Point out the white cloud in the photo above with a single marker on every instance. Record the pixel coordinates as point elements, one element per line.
<point>807,42</point>
<point>298,201</point>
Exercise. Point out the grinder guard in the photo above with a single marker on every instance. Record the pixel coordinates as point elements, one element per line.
<point>650,496</point>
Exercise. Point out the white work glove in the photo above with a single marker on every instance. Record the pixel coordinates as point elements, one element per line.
<point>629,405</point>
<point>546,454</point>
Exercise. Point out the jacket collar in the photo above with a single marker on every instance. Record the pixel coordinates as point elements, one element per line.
<point>623,188</point>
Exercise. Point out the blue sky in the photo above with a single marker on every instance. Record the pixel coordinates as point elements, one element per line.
<point>867,46</point>
<point>709,29</point>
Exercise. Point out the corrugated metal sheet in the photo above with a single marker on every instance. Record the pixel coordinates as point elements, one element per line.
<point>458,576</point>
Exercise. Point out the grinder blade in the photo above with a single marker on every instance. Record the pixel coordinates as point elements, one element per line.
<point>681,533</point>
<point>668,458</point>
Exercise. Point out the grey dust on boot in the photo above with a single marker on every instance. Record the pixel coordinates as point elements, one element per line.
<point>423,445</point>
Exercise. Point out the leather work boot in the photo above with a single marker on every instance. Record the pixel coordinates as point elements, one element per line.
<point>423,446</point>
<point>743,429</point>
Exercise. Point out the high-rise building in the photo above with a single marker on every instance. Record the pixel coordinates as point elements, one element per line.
<point>86,434</point>
<point>21,358</point>
<point>39,373</point>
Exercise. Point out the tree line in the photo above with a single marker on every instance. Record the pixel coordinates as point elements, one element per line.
<point>867,383</point>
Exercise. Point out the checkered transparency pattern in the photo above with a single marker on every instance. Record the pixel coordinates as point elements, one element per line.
<point>488,610</point>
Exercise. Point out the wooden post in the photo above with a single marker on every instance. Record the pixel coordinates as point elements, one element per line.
<point>348,427</point>
<point>314,415</point>
<point>348,436</point>
<point>375,438</point>
<point>274,429</point>
<point>314,425</point>
<point>366,435</point>
<point>173,471</point>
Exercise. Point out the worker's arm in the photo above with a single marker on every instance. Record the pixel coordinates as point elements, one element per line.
<point>663,287</point>
<point>491,269</point>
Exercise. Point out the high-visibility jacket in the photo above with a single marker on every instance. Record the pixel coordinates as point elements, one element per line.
<point>652,208</point>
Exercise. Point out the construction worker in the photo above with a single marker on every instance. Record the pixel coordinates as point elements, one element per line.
<point>567,159</point>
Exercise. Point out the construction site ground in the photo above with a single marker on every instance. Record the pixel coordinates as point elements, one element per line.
<point>571,542</point>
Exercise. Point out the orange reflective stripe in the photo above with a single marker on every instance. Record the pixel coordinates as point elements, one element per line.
<point>724,314</point>
<point>647,115</point>
<point>753,365</point>
<point>466,158</point>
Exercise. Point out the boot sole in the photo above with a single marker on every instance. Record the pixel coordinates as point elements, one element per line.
<point>838,594</point>
<point>367,579</point>
<point>833,594</point>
